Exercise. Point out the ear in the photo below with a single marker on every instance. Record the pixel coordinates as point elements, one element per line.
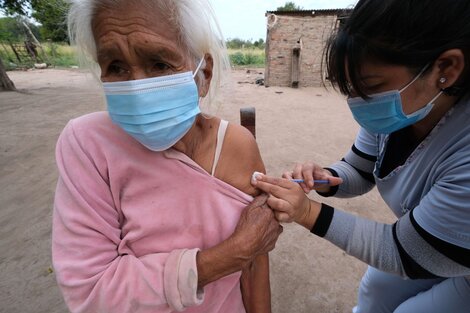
<point>450,67</point>
<point>206,77</point>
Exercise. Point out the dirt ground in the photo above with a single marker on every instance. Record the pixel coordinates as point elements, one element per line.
<point>308,274</point>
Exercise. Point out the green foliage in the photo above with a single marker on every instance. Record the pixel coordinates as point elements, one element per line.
<point>237,43</point>
<point>8,59</point>
<point>246,52</point>
<point>13,30</point>
<point>14,6</point>
<point>253,57</point>
<point>55,54</point>
<point>10,29</point>
<point>61,55</point>
<point>289,6</point>
<point>237,58</point>
<point>52,16</point>
<point>259,43</point>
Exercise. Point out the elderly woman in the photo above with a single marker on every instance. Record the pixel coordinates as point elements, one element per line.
<point>152,209</point>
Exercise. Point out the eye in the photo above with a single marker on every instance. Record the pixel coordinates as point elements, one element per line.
<point>116,68</point>
<point>374,88</point>
<point>160,66</point>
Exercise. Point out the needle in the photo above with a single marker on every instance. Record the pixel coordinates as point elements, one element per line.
<point>315,182</point>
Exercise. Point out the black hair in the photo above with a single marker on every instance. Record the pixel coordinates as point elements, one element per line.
<point>411,33</point>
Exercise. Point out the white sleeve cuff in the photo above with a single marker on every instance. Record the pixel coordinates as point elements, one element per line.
<point>181,280</point>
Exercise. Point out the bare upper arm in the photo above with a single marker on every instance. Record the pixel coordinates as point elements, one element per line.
<point>240,157</point>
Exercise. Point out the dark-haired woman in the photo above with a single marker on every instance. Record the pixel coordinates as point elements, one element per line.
<point>404,66</point>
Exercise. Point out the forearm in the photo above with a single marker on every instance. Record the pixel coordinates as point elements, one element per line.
<point>219,261</point>
<point>255,286</point>
<point>369,241</point>
<point>400,248</point>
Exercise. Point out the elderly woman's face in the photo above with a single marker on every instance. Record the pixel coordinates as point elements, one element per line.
<point>135,43</point>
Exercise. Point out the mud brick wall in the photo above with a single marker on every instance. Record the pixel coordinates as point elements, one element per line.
<point>287,32</point>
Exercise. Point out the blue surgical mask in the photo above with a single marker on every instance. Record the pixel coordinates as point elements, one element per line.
<point>158,111</point>
<point>383,112</point>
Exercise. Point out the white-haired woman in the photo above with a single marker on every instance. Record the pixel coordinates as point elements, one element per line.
<point>154,210</point>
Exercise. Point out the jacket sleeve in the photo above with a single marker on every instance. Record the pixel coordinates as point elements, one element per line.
<point>356,168</point>
<point>431,240</point>
<point>404,248</point>
<point>92,275</point>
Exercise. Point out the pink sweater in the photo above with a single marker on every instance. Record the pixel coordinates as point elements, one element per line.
<point>128,223</point>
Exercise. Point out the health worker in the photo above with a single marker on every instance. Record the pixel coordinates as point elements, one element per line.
<point>404,67</point>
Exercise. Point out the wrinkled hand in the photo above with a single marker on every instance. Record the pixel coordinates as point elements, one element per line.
<point>286,198</point>
<point>257,230</point>
<point>310,171</point>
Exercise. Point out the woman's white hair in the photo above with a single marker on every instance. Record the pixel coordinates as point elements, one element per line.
<point>195,19</point>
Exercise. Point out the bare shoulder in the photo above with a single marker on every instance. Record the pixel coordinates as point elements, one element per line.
<point>239,158</point>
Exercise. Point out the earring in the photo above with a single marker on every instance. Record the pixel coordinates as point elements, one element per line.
<point>442,80</point>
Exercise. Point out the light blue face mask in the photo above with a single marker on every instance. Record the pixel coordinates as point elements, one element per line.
<point>158,111</point>
<point>383,112</point>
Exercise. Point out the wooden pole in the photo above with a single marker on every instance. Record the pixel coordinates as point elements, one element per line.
<point>36,41</point>
<point>15,52</point>
<point>248,119</point>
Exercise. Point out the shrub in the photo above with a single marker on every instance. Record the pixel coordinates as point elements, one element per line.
<point>253,57</point>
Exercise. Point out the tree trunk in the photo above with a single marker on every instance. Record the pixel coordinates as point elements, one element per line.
<point>5,83</point>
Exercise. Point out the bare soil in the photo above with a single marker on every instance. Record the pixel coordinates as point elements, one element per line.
<point>308,274</point>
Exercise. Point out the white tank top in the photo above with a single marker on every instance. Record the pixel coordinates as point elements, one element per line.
<point>220,141</point>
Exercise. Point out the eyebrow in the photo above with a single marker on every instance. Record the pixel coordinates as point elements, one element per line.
<point>110,51</point>
<point>161,51</point>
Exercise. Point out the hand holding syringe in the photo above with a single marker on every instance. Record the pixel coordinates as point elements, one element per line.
<point>316,181</point>
<point>309,176</point>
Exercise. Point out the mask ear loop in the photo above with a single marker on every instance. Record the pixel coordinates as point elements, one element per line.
<point>416,78</point>
<point>198,67</point>
<point>431,103</point>
<point>197,70</point>
<point>437,96</point>
<point>204,115</point>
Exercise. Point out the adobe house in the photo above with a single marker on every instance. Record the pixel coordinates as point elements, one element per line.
<point>294,45</point>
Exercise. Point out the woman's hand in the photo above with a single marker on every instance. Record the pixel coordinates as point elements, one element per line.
<point>310,171</point>
<point>285,197</point>
<point>257,230</point>
<point>255,234</point>
<point>289,200</point>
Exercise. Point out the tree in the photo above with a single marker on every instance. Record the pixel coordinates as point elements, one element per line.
<point>5,83</point>
<point>9,30</point>
<point>52,16</point>
<point>235,43</point>
<point>289,6</point>
<point>9,7</point>
<point>50,13</point>
<point>259,43</point>
<point>14,6</point>
<point>12,29</point>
